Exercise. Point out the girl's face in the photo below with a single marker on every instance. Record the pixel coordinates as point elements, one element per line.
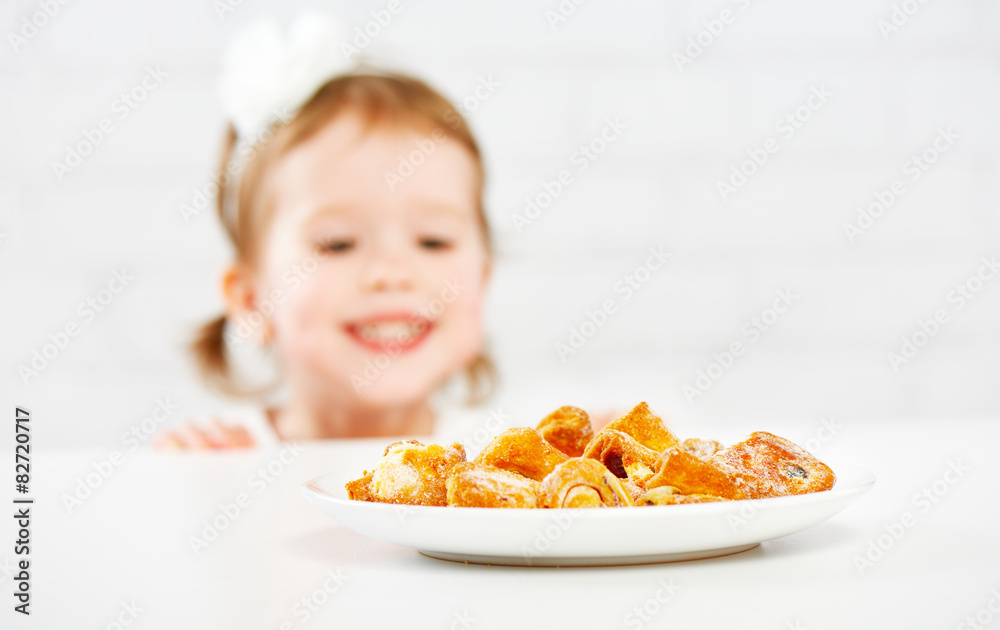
<point>381,275</point>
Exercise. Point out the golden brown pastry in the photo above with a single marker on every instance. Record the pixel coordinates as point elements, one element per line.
<point>623,456</point>
<point>645,427</point>
<point>771,466</point>
<point>568,429</point>
<point>633,490</point>
<point>360,489</point>
<point>668,495</point>
<point>474,485</point>
<point>691,475</point>
<point>410,473</point>
<point>634,460</point>
<point>523,451</point>
<point>702,449</point>
<point>582,482</point>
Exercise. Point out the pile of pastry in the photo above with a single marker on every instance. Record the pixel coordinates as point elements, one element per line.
<point>634,460</point>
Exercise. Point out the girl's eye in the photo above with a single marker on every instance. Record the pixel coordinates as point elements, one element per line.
<point>337,245</point>
<point>435,244</point>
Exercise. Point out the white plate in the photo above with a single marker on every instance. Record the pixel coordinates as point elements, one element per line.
<point>579,537</point>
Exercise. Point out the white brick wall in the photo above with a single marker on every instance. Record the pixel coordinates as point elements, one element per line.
<point>655,185</point>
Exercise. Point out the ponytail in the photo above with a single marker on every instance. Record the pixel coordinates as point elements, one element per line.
<point>209,350</point>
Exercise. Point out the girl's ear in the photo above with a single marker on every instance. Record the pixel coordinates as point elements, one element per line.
<point>240,294</point>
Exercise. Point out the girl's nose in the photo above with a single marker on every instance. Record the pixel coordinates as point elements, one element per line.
<point>387,269</point>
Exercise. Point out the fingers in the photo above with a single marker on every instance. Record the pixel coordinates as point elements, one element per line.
<point>185,437</point>
<point>195,437</point>
<point>213,436</point>
<point>230,435</point>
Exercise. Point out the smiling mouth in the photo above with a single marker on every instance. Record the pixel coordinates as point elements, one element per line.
<point>390,335</point>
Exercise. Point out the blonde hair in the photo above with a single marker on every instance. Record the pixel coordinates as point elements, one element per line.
<point>385,100</point>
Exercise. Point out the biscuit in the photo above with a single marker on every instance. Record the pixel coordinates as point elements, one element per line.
<point>413,474</point>
<point>702,449</point>
<point>645,427</point>
<point>690,475</point>
<point>582,482</point>
<point>771,466</point>
<point>633,490</point>
<point>474,485</point>
<point>521,450</point>
<point>623,456</point>
<point>360,489</point>
<point>568,429</point>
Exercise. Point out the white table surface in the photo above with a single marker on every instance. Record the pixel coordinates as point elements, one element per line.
<point>128,545</point>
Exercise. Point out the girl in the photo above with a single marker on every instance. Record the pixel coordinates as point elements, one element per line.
<point>362,253</point>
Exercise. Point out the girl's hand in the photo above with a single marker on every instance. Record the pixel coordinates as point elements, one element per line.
<point>216,435</point>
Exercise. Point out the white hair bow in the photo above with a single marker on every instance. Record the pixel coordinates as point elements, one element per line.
<point>267,76</point>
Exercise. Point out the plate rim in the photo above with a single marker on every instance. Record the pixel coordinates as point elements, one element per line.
<point>442,530</point>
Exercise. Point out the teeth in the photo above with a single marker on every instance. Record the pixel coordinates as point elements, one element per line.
<point>384,332</point>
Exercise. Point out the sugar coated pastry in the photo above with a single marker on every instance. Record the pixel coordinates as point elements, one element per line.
<point>474,485</point>
<point>633,490</point>
<point>669,495</point>
<point>521,450</point>
<point>360,489</point>
<point>702,449</point>
<point>772,466</point>
<point>690,475</point>
<point>412,473</point>
<point>623,456</point>
<point>645,427</point>
<point>634,460</point>
<point>568,429</point>
<point>582,482</point>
